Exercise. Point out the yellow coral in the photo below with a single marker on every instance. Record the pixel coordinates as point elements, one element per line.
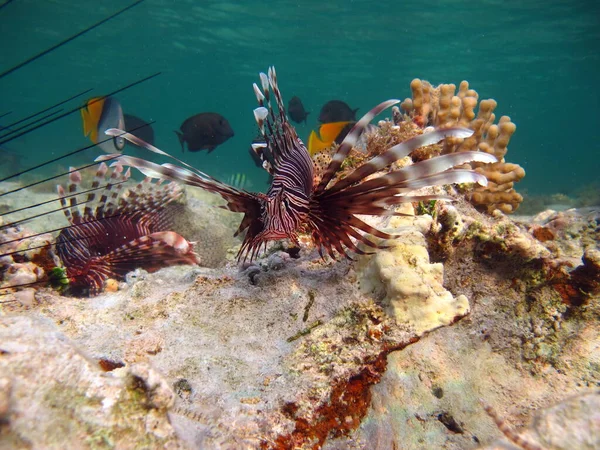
<point>411,286</point>
<point>441,108</point>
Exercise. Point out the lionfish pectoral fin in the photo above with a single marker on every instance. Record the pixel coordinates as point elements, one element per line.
<point>152,252</point>
<point>349,141</point>
<point>175,240</point>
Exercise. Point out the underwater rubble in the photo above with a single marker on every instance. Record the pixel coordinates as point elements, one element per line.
<point>292,351</point>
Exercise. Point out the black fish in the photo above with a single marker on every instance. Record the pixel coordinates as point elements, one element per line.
<point>204,131</point>
<point>337,111</point>
<point>140,128</point>
<point>296,110</point>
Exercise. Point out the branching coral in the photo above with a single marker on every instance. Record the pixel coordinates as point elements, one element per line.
<point>441,108</point>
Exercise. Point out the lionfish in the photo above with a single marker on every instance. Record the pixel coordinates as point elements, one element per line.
<point>119,231</point>
<point>297,202</point>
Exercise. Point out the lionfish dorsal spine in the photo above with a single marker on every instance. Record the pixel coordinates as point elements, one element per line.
<point>260,115</point>
<point>88,212</point>
<point>74,182</point>
<point>260,97</point>
<point>63,202</point>
<point>264,81</point>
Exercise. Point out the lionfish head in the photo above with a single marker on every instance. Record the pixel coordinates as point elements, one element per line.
<point>277,218</point>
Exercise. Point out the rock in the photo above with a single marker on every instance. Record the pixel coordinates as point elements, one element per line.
<point>71,401</point>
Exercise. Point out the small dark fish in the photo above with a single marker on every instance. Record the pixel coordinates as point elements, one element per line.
<point>296,110</point>
<point>140,127</point>
<point>204,131</point>
<point>337,111</point>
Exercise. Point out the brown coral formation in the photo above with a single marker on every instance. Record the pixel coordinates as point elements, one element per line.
<point>441,107</point>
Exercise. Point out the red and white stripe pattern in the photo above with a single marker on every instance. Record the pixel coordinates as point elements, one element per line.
<point>328,209</point>
<point>119,232</point>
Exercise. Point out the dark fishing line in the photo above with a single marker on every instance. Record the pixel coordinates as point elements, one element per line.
<point>33,283</point>
<point>16,222</point>
<point>45,110</point>
<point>66,41</point>
<point>55,176</point>
<point>74,152</point>
<point>15,130</point>
<point>5,114</point>
<point>4,141</point>
<point>60,229</point>
<point>49,244</point>
<point>5,3</point>
<point>58,198</point>
<point>49,280</point>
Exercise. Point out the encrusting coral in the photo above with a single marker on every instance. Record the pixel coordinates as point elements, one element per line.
<point>441,108</point>
<point>407,282</point>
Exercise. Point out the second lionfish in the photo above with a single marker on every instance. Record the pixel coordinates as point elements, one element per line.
<point>327,208</point>
<point>117,231</point>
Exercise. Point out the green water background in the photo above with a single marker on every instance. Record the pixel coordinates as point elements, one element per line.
<point>539,59</point>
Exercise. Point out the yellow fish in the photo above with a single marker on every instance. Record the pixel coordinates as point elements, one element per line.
<point>328,134</point>
<point>98,115</point>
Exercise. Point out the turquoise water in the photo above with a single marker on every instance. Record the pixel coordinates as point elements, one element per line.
<point>539,60</point>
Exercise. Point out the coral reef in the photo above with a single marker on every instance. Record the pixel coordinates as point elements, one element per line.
<point>570,424</point>
<point>442,107</point>
<point>438,108</point>
<point>292,351</point>
<point>523,346</point>
<point>26,257</point>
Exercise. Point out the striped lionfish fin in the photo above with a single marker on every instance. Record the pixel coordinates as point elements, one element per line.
<point>333,209</point>
<point>433,165</point>
<point>349,142</point>
<point>273,124</point>
<point>237,200</point>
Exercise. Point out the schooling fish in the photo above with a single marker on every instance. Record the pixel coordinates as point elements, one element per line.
<point>204,131</point>
<point>238,181</point>
<point>337,111</point>
<point>140,128</point>
<point>296,110</point>
<point>98,115</point>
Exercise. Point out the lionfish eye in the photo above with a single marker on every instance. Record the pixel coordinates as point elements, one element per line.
<point>119,142</point>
